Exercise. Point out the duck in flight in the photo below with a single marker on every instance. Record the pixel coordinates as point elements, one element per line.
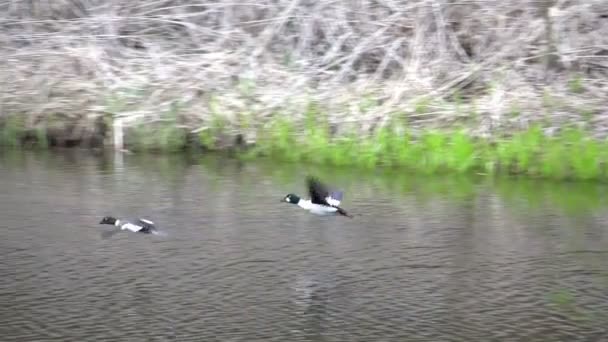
<point>322,201</point>
<point>137,226</point>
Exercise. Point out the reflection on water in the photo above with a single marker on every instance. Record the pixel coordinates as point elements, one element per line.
<point>428,259</point>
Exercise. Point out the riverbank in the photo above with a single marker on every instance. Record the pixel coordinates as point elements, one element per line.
<point>571,153</point>
<point>481,87</point>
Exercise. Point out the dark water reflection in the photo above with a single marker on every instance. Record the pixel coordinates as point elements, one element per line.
<point>428,259</point>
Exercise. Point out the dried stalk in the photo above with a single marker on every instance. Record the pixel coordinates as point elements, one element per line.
<point>84,58</point>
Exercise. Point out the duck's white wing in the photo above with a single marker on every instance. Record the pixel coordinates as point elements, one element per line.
<point>146,221</point>
<point>335,197</point>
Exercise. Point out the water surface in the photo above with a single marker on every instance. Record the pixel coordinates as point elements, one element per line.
<point>425,259</point>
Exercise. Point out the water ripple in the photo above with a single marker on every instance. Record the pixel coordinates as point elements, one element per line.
<point>405,271</point>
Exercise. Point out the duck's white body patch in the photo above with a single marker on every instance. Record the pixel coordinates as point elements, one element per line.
<point>131,227</point>
<point>146,221</point>
<point>316,208</point>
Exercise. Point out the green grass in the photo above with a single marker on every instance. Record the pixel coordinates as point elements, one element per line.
<point>575,84</point>
<point>163,138</point>
<point>12,129</point>
<point>569,155</point>
<point>209,138</point>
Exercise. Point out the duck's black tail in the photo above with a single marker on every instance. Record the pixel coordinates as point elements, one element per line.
<point>343,212</point>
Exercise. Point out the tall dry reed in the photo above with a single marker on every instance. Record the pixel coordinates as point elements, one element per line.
<point>488,64</point>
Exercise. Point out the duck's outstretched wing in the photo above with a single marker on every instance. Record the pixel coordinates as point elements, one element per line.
<point>317,191</point>
<point>320,193</point>
<point>335,197</point>
<point>146,221</point>
<point>146,224</point>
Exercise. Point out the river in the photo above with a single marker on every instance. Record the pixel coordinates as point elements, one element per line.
<point>426,258</point>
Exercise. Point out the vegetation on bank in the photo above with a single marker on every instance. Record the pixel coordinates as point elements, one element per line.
<point>570,153</point>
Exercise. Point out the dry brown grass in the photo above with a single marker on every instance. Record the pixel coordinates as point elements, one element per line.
<point>359,60</point>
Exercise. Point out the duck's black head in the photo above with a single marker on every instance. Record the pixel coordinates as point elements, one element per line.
<point>291,198</point>
<point>108,220</point>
